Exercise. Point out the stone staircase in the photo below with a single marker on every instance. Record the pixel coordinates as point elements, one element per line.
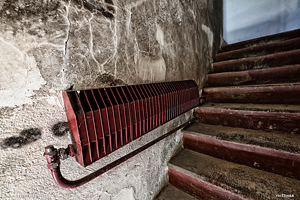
<point>245,143</point>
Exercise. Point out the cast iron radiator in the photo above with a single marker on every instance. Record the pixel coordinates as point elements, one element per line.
<point>103,120</point>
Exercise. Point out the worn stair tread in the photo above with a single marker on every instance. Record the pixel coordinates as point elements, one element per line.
<point>259,62</point>
<point>275,75</point>
<point>281,46</point>
<point>262,40</point>
<point>267,159</point>
<point>257,183</point>
<point>288,108</point>
<point>284,122</point>
<point>201,187</point>
<point>255,86</point>
<point>274,140</point>
<point>276,94</point>
<point>171,193</point>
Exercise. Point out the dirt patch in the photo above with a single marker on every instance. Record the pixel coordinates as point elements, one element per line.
<point>26,136</point>
<point>60,129</point>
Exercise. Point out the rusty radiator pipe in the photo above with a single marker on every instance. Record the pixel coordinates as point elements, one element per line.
<point>54,156</point>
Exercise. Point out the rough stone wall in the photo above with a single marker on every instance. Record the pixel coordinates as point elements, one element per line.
<point>47,46</point>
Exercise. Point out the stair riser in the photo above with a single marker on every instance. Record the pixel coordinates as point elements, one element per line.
<point>260,62</point>
<point>258,120</point>
<point>288,45</point>
<point>287,94</point>
<point>285,74</point>
<point>198,188</point>
<point>266,39</point>
<point>279,162</point>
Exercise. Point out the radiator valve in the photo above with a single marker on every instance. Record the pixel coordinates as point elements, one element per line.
<point>54,155</point>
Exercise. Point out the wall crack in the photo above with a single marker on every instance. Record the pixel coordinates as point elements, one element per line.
<point>66,45</point>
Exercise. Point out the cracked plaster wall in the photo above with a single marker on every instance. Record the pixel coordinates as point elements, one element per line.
<point>47,46</point>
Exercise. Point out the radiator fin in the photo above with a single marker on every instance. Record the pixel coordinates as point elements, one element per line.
<point>109,118</point>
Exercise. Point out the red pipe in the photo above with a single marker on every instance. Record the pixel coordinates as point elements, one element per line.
<point>53,159</point>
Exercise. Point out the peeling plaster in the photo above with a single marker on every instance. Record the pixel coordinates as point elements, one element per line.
<point>160,36</point>
<point>19,76</point>
<point>125,194</point>
<point>150,69</point>
<point>153,69</point>
<point>105,196</point>
<point>209,33</point>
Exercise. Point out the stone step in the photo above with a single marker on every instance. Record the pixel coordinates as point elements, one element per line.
<point>285,108</point>
<point>285,74</point>
<point>276,47</point>
<point>256,183</point>
<point>269,94</point>
<point>200,187</point>
<point>275,140</point>
<point>262,40</point>
<point>172,193</point>
<point>267,159</point>
<point>259,62</point>
<point>284,122</point>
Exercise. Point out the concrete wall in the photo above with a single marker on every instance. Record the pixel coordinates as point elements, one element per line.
<point>47,46</point>
<point>244,20</point>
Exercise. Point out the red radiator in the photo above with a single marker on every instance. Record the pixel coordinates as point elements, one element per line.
<point>103,120</point>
